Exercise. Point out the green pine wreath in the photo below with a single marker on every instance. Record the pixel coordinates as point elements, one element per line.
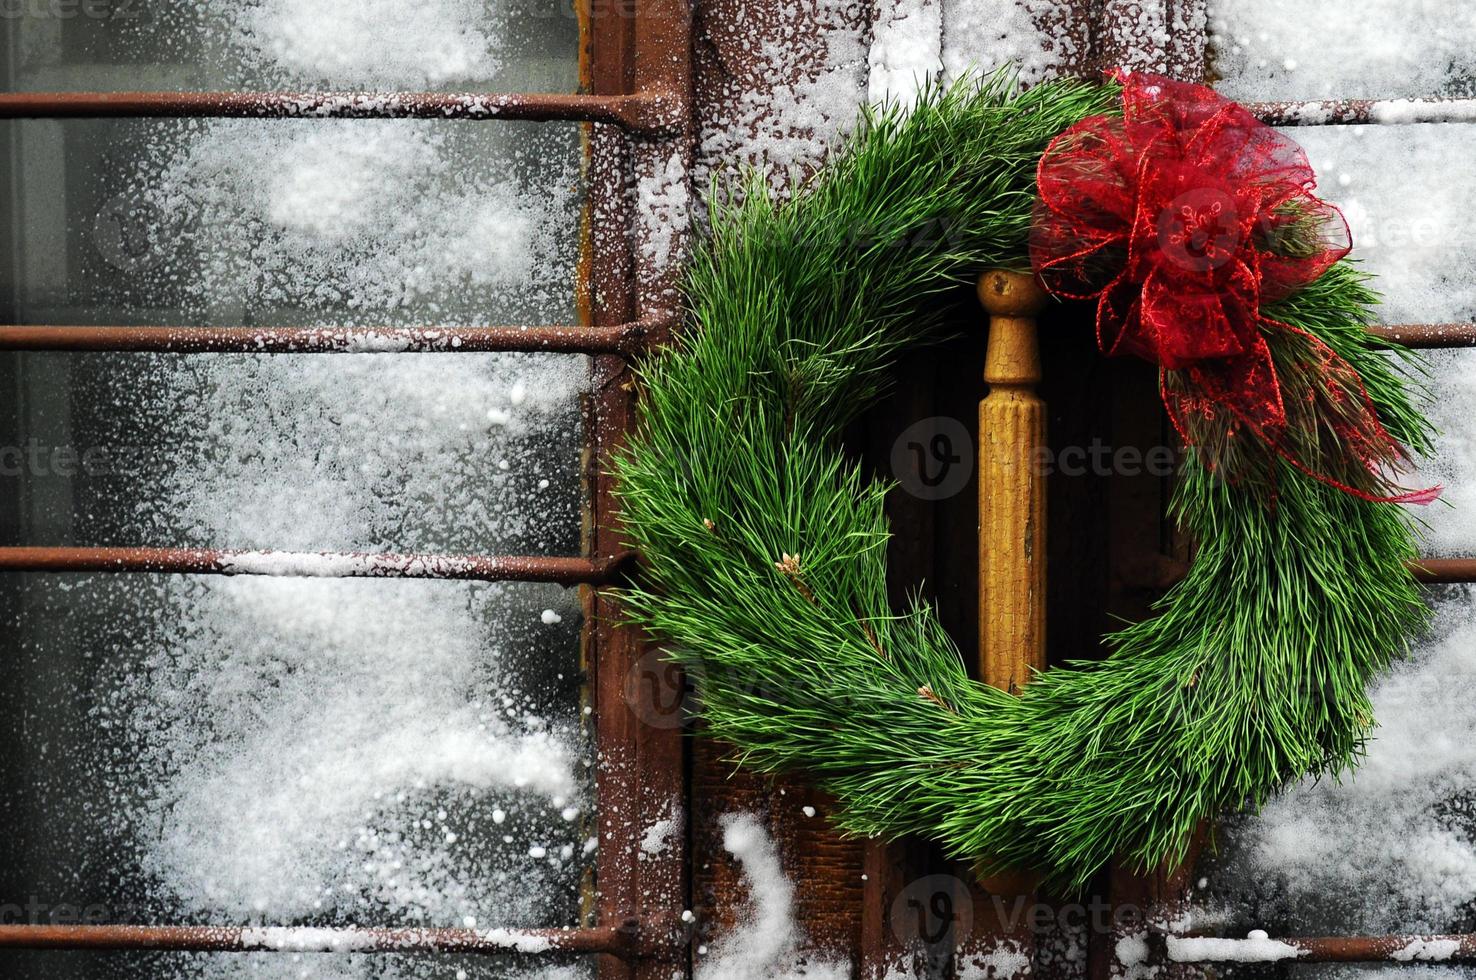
<point>765,549</point>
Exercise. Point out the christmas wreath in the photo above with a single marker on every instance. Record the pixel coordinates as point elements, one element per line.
<point>1193,227</point>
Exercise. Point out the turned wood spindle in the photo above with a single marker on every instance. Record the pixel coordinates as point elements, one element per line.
<point>1012,499</point>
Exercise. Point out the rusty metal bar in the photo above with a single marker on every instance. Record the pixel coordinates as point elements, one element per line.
<point>623,941</point>
<point>1357,112</point>
<point>1412,950</point>
<point>316,564</point>
<point>649,113</point>
<point>1427,335</point>
<point>1444,571</point>
<point>625,339</point>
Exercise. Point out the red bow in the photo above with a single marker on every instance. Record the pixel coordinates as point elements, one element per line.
<point>1182,217</point>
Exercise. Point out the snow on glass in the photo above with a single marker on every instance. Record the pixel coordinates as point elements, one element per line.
<point>1322,49</point>
<point>381,45</point>
<point>275,751</point>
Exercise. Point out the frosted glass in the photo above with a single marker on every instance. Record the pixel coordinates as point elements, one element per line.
<point>277,751</point>
<point>505,45</point>
<point>1319,49</point>
<point>475,453</point>
<point>272,750</point>
<point>290,221</point>
<point>1406,193</point>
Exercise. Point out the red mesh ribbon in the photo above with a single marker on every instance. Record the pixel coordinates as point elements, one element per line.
<point>1181,218</point>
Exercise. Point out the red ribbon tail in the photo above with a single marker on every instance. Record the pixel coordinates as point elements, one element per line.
<point>1248,391</point>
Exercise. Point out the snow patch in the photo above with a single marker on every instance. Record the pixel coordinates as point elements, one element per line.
<point>981,35</point>
<point>906,49</point>
<point>306,940</point>
<point>1133,957</point>
<point>372,214</point>
<point>517,941</point>
<point>368,43</point>
<point>766,945</point>
<point>1005,961</point>
<point>1257,947</point>
<point>665,202</point>
<point>658,837</point>
<point>804,90</point>
<point>1426,950</point>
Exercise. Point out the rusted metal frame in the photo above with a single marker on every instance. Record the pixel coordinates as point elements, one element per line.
<point>625,941</point>
<point>1412,949</point>
<point>1427,335</point>
<point>1358,112</point>
<point>644,111</point>
<point>1444,571</point>
<point>625,339</point>
<point>317,564</point>
<point>636,45</point>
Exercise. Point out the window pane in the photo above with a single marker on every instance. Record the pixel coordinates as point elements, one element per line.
<point>1322,49</point>
<point>1452,409</point>
<point>313,222</point>
<point>287,751</point>
<point>399,222</point>
<point>506,45</point>
<point>475,453</point>
<point>290,751</point>
<point>1403,191</point>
